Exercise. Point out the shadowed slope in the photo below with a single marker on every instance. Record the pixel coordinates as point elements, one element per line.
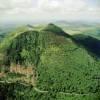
<point>91,44</point>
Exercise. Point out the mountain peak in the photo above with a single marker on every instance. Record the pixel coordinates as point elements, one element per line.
<point>51,24</point>
<point>54,29</point>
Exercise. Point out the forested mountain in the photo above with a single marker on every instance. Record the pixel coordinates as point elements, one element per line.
<point>63,64</point>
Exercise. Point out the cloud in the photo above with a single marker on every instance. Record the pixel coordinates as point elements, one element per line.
<point>23,3</point>
<point>64,5</point>
<point>74,6</point>
<point>50,5</point>
<point>49,9</point>
<point>4,5</point>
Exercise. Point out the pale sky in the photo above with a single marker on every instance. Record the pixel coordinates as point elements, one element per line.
<point>35,10</point>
